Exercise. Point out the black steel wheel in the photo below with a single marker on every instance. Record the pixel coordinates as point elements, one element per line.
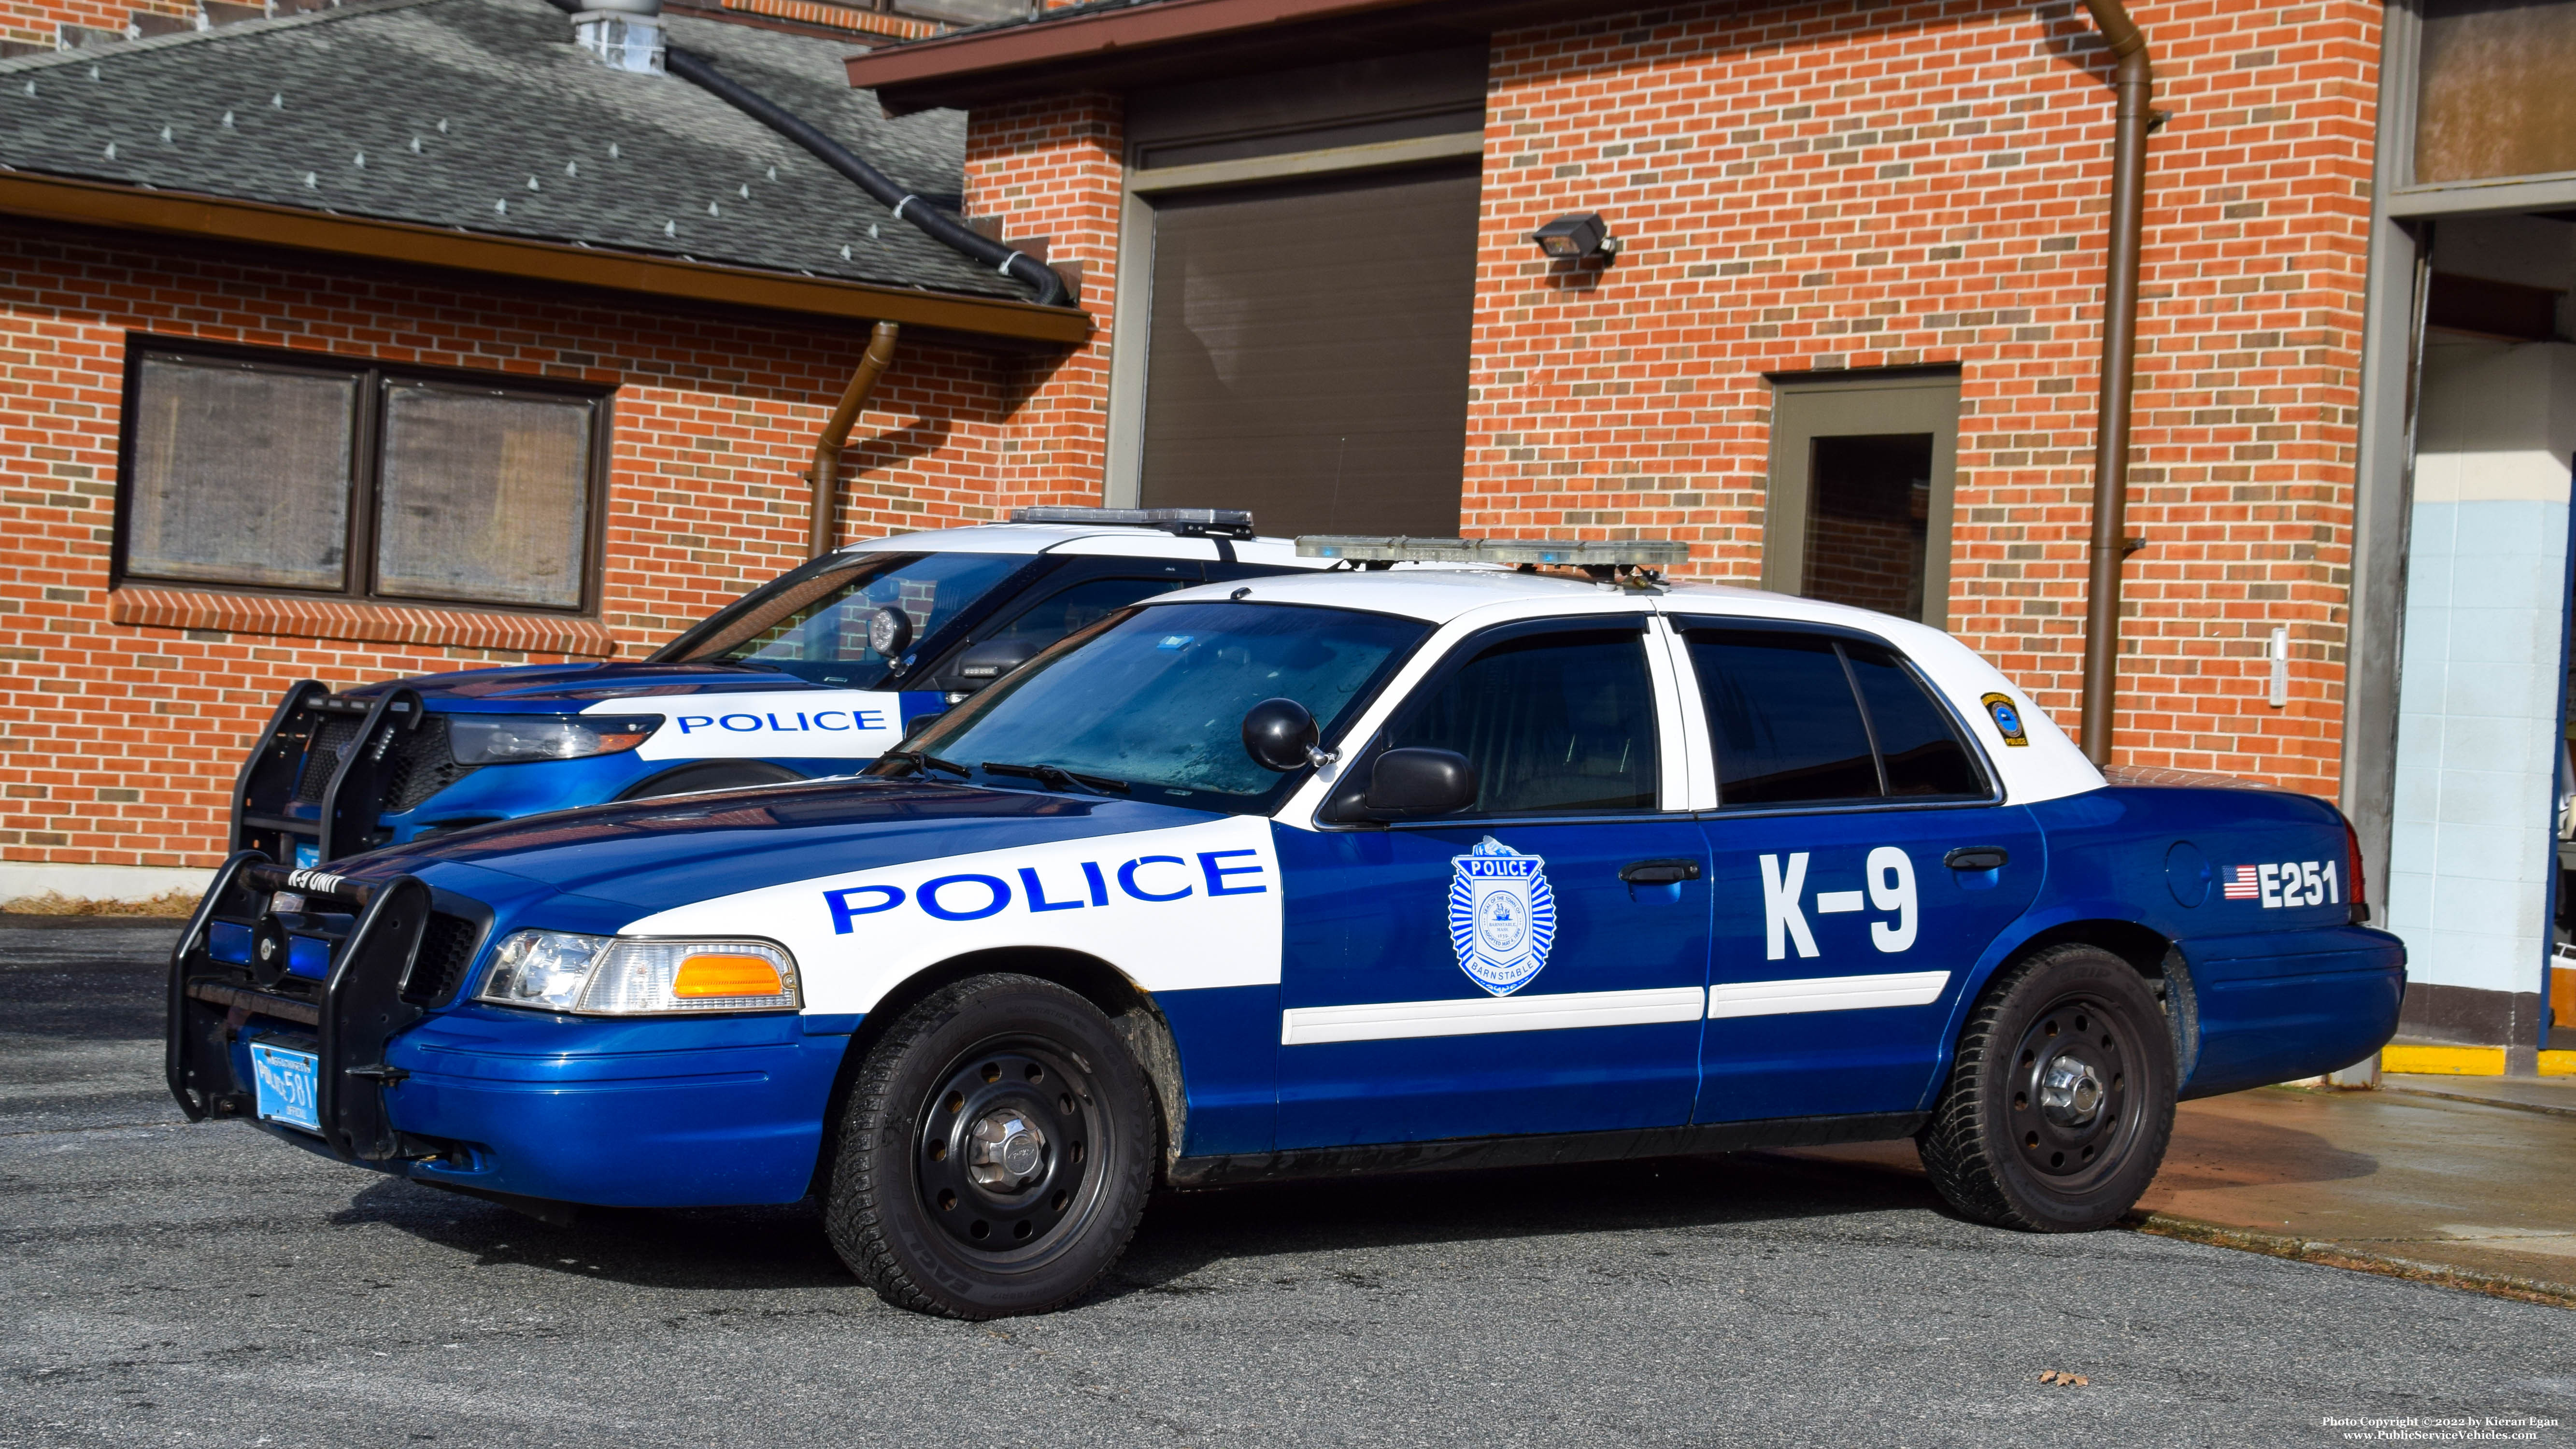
<point>2058,1108</point>
<point>995,1153</point>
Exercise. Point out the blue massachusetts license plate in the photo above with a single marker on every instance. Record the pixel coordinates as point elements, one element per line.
<point>285,1081</point>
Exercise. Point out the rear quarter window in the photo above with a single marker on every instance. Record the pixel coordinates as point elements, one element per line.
<point>1797,718</point>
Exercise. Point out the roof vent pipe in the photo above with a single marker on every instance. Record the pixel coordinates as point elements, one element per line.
<point>701,72</point>
<point>624,34</point>
<point>2133,84</point>
<point>938,225</point>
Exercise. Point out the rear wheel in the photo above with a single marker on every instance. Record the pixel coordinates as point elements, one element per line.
<point>2060,1103</point>
<point>995,1153</point>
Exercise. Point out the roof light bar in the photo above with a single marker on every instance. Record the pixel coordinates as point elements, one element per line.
<point>1187,522</point>
<point>1511,552</point>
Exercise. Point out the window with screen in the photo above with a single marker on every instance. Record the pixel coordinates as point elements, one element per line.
<point>1559,722</point>
<point>1812,719</point>
<point>296,474</point>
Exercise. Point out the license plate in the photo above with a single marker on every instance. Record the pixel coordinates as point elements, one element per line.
<point>285,1082</point>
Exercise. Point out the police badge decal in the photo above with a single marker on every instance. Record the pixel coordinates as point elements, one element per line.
<point>1502,915</point>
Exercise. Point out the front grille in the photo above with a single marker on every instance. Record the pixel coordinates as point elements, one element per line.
<point>331,741</point>
<point>447,948</point>
<point>421,766</point>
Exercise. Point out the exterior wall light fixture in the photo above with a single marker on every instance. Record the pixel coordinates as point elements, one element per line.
<point>1581,237</point>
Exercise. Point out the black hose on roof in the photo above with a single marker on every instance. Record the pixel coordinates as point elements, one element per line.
<point>931,221</point>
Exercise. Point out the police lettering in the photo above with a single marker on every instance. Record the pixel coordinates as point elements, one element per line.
<point>1153,879</point>
<point>831,721</point>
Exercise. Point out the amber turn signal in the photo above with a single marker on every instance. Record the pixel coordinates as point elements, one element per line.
<point>710,975</point>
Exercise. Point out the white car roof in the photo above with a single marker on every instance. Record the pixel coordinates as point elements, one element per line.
<point>1459,599</point>
<point>1115,540</point>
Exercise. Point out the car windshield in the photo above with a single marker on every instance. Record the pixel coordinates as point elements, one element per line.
<point>1153,702</point>
<point>815,625</point>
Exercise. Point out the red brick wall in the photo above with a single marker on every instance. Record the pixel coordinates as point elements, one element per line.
<point>41,21</point>
<point>1846,185</point>
<point>1051,171</point>
<point>118,743</point>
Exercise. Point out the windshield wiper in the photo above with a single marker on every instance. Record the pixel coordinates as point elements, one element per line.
<point>748,664</point>
<point>1060,777</point>
<point>921,761</point>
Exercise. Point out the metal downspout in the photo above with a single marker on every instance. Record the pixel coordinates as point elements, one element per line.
<point>826,473</point>
<point>2134,84</point>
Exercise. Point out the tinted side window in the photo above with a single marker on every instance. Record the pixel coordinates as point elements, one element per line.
<point>1916,740</point>
<point>1082,605</point>
<point>1552,722</point>
<point>1782,716</point>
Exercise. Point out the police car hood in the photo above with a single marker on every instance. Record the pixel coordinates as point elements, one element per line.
<point>570,688</point>
<point>652,855</point>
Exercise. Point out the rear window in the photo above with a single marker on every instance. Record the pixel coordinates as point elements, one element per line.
<point>1812,719</point>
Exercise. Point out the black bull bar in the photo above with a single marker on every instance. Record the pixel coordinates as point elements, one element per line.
<point>398,948</point>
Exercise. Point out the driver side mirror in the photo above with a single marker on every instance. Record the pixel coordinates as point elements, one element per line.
<point>1407,784</point>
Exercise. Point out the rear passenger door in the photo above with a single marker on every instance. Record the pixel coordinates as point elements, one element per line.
<point>1853,865</point>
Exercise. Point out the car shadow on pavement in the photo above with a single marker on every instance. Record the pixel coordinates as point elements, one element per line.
<point>1183,1232</point>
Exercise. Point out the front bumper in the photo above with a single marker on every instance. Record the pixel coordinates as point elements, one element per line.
<point>647,1112</point>
<point>628,1112</point>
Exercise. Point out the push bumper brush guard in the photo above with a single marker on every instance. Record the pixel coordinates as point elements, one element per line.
<point>395,949</point>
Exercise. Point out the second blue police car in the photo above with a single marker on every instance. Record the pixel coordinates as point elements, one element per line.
<point>1314,874</point>
<point>811,674</point>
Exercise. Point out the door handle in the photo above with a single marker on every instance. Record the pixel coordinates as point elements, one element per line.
<point>1659,872</point>
<point>1976,857</point>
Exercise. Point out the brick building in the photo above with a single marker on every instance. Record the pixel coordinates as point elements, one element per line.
<point>1849,343</point>
<point>285,302</point>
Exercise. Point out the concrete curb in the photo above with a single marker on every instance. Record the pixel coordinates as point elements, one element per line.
<point>2505,1102</point>
<point>2338,1255</point>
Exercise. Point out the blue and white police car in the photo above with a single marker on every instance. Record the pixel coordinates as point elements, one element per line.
<point>813,674</point>
<point>1315,873</point>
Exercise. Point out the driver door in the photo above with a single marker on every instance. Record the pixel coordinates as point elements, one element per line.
<point>1493,973</point>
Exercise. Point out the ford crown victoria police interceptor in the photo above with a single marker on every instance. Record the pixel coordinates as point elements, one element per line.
<point>1314,874</point>
<point>812,674</point>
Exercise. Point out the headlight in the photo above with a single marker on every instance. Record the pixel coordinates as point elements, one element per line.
<point>502,739</point>
<point>606,976</point>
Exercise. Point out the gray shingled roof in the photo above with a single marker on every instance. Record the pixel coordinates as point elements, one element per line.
<point>483,115</point>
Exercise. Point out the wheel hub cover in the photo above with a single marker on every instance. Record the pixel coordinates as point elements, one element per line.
<point>1008,1150</point>
<point>2070,1092</point>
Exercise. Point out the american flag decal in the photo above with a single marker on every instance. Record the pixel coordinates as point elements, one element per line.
<point>2243,886</point>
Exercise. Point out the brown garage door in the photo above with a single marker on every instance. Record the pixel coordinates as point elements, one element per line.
<point>1307,353</point>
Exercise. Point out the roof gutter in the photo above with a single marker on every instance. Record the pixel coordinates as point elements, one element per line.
<point>2134,84</point>
<point>1092,33</point>
<point>169,213</point>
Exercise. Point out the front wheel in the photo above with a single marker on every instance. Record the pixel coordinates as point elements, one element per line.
<point>2060,1103</point>
<point>995,1153</point>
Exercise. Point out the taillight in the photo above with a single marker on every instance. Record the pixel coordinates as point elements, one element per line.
<point>2359,890</point>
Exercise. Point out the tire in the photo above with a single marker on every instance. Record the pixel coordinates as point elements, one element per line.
<point>995,1154</point>
<point>2061,1101</point>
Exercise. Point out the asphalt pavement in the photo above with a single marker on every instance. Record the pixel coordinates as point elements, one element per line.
<point>173,1284</point>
